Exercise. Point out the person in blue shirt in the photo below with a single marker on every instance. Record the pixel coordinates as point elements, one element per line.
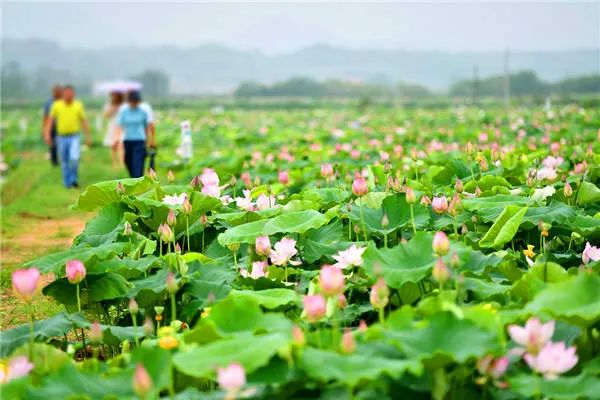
<point>134,130</point>
<point>56,95</point>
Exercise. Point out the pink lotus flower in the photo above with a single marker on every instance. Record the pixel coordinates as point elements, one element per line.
<point>493,367</point>
<point>283,251</point>
<point>439,204</point>
<point>326,170</point>
<point>298,337</point>
<point>440,244</point>
<point>552,162</point>
<point>231,378</point>
<point>547,173</point>
<point>411,198</point>
<point>352,256</point>
<point>17,367</point>
<point>142,382</point>
<point>552,360</point>
<point>245,177</point>
<point>332,280</point>
<point>284,177</point>
<point>174,200</point>
<point>75,271</point>
<point>265,202</point>
<point>245,203</point>
<point>359,186</point>
<point>440,272</point>
<point>533,336</point>
<point>259,269</point>
<point>211,190</point>
<point>262,246</point>
<point>315,307</point>
<point>26,283</point>
<point>380,294</point>
<point>590,253</point>
<point>209,177</point>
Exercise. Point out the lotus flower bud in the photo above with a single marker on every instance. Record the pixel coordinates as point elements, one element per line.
<point>477,192</point>
<point>148,327</point>
<point>315,307</point>
<point>177,248</point>
<point>284,177</point>
<point>439,204</point>
<point>326,171</point>
<point>379,294</point>
<point>410,196</point>
<point>120,188</point>
<point>568,190</point>
<point>359,186</point>
<point>458,186</point>
<point>171,283</point>
<point>342,301</point>
<point>142,383</point>
<point>152,174</point>
<point>440,244</point>
<point>127,230</point>
<point>204,219</point>
<point>331,280</point>
<point>195,182</point>
<point>96,334</point>
<point>425,201</point>
<point>26,283</point>
<point>133,306</point>
<point>186,206</point>
<point>166,234</point>
<point>362,326</point>
<point>231,379</point>
<point>171,218</point>
<point>263,246</point>
<point>170,176</point>
<point>348,344</point>
<point>298,337</point>
<point>75,271</point>
<point>440,273</point>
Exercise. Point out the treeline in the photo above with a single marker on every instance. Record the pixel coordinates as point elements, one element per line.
<point>524,83</point>
<point>17,83</point>
<point>307,87</point>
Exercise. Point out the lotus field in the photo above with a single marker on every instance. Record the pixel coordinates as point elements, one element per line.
<point>328,253</point>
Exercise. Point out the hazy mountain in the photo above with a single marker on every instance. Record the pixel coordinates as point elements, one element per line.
<point>216,68</point>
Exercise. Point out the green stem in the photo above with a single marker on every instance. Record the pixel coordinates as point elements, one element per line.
<point>381,316</point>
<point>187,232</point>
<point>203,229</point>
<point>362,221</point>
<point>412,218</point>
<point>173,308</point>
<point>78,299</point>
<point>385,240</point>
<point>31,332</point>
<point>135,329</point>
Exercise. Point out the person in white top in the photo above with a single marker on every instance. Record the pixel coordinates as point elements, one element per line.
<point>109,113</point>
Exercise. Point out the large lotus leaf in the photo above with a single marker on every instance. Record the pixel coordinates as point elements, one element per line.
<point>98,287</point>
<point>487,182</point>
<point>202,203</point>
<point>582,386</point>
<point>268,298</point>
<point>483,289</point>
<point>326,197</point>
<point>588,193</point>
<point>446,335</point>
<point>576,299</point>
<point>489,208</point>
<point>351,369</point>
<point>245,233</point>
<point>128,267</point>
<point>105,226</point>
<point>149,289</point>
<point>296,222</point>
<point>252,351</point>
<point>505,227</point>
<point>324,241</point>
<point>103,193</point>
<point>397,211</point>
<point>403,263</point>
<point>43,330</point>
<point>56,262</point>
<point>555,213</point>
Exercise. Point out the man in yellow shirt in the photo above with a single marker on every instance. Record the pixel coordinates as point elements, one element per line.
<point>69,116</point>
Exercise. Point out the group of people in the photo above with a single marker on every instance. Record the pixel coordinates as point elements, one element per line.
<point>130,131</point>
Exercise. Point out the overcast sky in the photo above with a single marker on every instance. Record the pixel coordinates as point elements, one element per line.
<point>275,27</point>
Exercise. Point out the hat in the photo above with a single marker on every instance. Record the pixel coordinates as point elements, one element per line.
<point>134,95</point>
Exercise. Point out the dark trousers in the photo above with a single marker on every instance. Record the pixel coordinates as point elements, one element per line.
<point>53,151</point>
<point>135,157</point>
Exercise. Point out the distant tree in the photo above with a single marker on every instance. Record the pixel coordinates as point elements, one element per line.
<point>155,82</point>
<point>584,84</point>
<point>250,89</point>
<point>14,82</point>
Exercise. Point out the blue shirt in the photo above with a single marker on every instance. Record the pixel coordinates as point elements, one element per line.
<point>133,121</point>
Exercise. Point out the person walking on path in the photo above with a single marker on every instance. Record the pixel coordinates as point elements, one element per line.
<point>110,112</point>
<point>135,132</point>
<point>69,116</point>
<point>56,95</point>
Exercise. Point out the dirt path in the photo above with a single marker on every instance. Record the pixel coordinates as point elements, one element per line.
<point>37,236</point>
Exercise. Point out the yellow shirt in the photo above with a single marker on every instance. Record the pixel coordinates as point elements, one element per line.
<point>67,116</point>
